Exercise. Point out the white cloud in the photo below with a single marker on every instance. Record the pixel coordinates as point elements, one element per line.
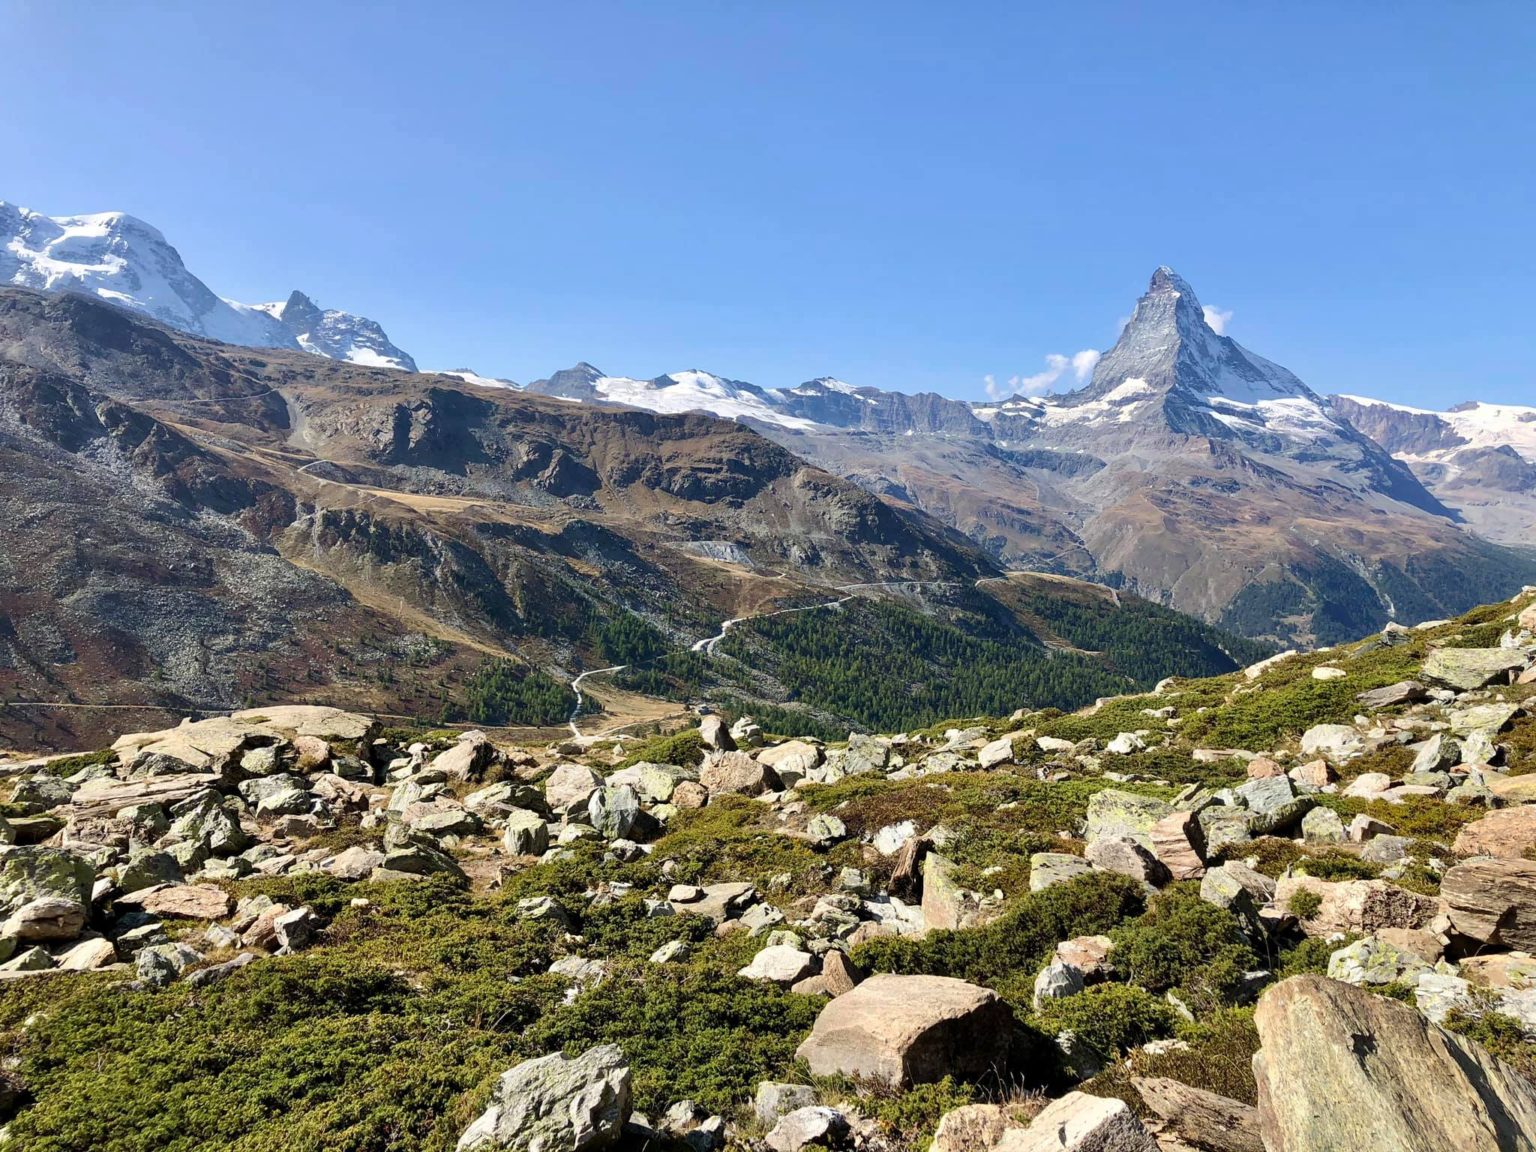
<point>1217,318</point>
<point>1080,365</point>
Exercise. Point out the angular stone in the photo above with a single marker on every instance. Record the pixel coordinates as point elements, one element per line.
<point>866,754</point>
<point>999,751</point>
<point>971,1128</point>
<point>569,788</point>
<point>466,760</point>
<point>1050,868</point>
<point>945,903</point>
<point>1078,1122</point>
<point>780,964</point>
<point>1112,812</point>
<point>1373,961</point>
<point>1468,669</point>
<point>774,1100</point>
<point>1339,743</point>
<point>46,918</point>
<point>1313,774</point>
<point>1341,1068</point>
<point>737,772</point>
<point>28,872</point>
<point>1492,901</point>
<point>556,1103</point>
<point>1322,826</point>
<point>1126,857</point>
<point>816,1125</point>
<point>526,834</point>
<point>1199,1118</point>
<point>715,735</point>
<point>907,1030</point>
<point>1356,907</point>
<point>795,757</point>
<point>181,902</point>
<point>1176,842</point>
<point>1403,692</point>
<point>1056,982</point>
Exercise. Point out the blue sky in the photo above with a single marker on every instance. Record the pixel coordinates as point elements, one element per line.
<point>915,196</point>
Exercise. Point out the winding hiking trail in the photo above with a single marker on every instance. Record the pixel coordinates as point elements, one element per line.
<point>580,699</point>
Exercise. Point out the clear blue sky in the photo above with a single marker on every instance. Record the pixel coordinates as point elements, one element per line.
<point>908,195</point>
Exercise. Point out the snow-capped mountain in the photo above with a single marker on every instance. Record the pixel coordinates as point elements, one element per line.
<point>122,259</point>
<point>1479,459</point>
<point>1420,435</point>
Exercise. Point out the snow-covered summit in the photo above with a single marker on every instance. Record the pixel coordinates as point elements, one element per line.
<point>129,262</point>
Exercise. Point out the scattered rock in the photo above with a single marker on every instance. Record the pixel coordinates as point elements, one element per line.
<point>556,1103</point>
<point>1079,1122</point>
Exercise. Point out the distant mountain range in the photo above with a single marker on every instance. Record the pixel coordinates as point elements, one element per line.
<point>122,259</point>
<point>1187,469</point>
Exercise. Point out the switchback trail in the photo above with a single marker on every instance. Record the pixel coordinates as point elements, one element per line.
<point>580,699</point>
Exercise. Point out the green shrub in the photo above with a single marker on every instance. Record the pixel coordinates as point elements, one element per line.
<point>1107,1019</point>
<point>1304,904</point>
<point>1007,953</point>
<point>685,749</point>
<point>1219,1059</point>
<point>1181,942</point>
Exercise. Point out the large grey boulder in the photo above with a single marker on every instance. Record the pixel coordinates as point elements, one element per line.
<point>1340,1068</point>
<point>556,1103</point>
<point>30,872</point>
<point>1467,669</point>
<point>1116,813</point>
<point>910,1030</point>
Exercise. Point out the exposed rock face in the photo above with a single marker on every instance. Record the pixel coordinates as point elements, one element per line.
<point>910,1030</point>
<point>1504,832</point>
<point>1468,669</point>
<point>1200,1118</point>
<point>1357,906</point>
<point>1492,901</point>
<point>1341,1068</point>
<point>555,1104</point>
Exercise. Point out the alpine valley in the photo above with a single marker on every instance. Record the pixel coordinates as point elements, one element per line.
<point>210,504</point>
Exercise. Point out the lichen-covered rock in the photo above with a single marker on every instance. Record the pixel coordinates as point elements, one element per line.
<point>1467,669</point>
<point>555,1103</point>
<point>1341,1068</point>
<point>1049,868</point>
<point>29,872</point>
<point>1116,813</point>
<point>1373,961</point>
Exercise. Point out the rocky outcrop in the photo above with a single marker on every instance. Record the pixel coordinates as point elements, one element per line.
<point>1492,901</point>
<point>1340,1068</point>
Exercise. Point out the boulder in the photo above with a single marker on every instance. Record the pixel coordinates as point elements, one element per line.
<point>1199,1118</point>
<point>181,902</point>
<point>1492,901</point>
<point>1403,692</point>
<point>1341,1068</point>
<point>1123,855</point>
<point>1050,868</point>
<point>780,964</point>
<point>795,757</point>
<point>526,834</point>
<point>569,788</point>
<point>815,1125</point>
<point>29,872</point>
<point>737,772</point>
<point>1357,907</point>
<point>1079,1122</point>
<point>1322,826</point>
<point>1373,961</point>
<point>46,918</point>
<point>907,1030</point>
<point>775,1099</point>
<point>715,735</point>
<point>945,903</point>
<point>999,751</point>
<point>1177,843</point>
<point>1468,669</point>
<point>866,754</point>
<point>1116,813</point>
<point>1503,832</point>
<point>556,1103</point>
<point>466,760</point>
<point>971,1128</point>
<point>1339,743</point>
<point>1057,981</point>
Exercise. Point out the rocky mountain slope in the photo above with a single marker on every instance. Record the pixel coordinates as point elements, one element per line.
<point>1265,912</point>
<point>1188,469</point>
<point>1478,459</point>
<point>122,259</point>
<point>191,525</point>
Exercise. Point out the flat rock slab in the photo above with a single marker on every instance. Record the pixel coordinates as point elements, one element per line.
<point>1467,669</point>
<point>910,1030</point>
<point>1341,1068</point>
<point>1079,1122</point>
<point>1503,832</point>
<point>182,902</point>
